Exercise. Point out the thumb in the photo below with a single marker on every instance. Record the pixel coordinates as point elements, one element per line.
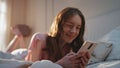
<point>71,53</point>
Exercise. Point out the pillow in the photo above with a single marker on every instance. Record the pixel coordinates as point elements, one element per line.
<point>114,38</point>
<point>20,53</point>
<point>45,64</point>
<point>12,63</point>
<point>101,51</point>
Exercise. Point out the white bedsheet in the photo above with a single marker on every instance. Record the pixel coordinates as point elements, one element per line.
<point>106,64</point>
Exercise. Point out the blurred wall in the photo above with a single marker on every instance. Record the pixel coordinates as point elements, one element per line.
<point>100,25</point>
<point>39,14</point>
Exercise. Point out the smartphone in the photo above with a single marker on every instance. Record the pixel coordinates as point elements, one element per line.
<point>87,45</point>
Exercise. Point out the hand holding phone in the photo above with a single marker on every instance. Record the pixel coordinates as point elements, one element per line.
<point>87,46</point>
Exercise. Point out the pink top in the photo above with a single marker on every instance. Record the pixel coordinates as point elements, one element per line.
<point>37,47</point>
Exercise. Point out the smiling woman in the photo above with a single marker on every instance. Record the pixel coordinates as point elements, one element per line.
<point>2,24</point>
<point>66,35</point>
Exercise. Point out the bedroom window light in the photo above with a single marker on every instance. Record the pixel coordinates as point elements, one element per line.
<point>2,24</point>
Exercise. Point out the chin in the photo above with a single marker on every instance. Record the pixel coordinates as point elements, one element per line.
<point>69,41</point>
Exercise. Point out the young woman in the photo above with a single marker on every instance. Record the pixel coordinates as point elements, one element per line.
<point>66,35</point>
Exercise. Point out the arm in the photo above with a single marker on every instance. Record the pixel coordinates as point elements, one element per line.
<point>73,60</point>
<point>35,49</point>
<point>65,62</point>
<point>13,44</point>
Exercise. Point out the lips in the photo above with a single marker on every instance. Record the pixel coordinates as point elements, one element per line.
<point>70,36</point>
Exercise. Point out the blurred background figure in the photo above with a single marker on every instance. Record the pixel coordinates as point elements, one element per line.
<point>20,31</point>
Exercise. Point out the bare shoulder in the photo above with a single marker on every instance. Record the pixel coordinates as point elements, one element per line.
<point>41,39</point>
<point>40,36</point>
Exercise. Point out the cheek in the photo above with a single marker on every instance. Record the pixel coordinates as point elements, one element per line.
<point>63,34</point>
<point>66,30</point>
<point>77,33</point>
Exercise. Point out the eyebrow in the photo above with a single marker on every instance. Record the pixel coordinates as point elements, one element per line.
<point>72,23</point>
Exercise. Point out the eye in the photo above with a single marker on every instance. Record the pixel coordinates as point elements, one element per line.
<point>69,25</point>
<point>78,27</point>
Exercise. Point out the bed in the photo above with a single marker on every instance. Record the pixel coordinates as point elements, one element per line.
<point>110,58</point>
<point>106,64</point>
<point>105,55</point>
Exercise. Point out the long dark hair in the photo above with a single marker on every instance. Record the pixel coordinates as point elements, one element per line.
<point>54,35</point>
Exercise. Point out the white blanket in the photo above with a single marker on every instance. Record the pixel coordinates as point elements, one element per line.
<point>106,64</point>
<point>12,63</point>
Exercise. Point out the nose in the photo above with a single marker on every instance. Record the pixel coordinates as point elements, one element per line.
<point>73,30</point>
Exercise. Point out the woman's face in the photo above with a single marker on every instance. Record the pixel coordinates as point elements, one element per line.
<point>71,28</point>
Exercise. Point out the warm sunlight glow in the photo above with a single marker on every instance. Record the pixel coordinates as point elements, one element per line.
<point>2,23</point>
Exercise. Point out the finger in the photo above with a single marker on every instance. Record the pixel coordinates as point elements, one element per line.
<point>85,53</point>
<point>79,56</point>
<point>75,57</point>
<point>78,66</point>
<point>71,53</point>
<point>77,61</point>
<point>88,55</point>
<point>80,52</point>
<point>83,61</point>
<point>81,66</point>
